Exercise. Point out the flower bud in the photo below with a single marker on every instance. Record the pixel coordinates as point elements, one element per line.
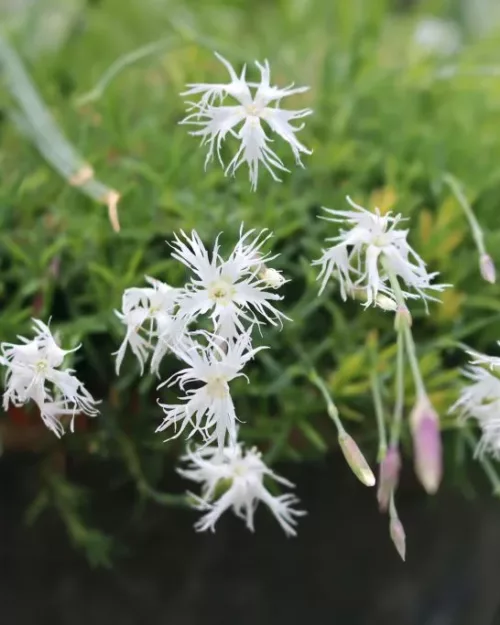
<point>386,303</point>
<point>487,268</point>
<point>398,536</point>
<point>356,460</point>
<point>272,277</point>
<point>389,469</point>
<point>427,448</point>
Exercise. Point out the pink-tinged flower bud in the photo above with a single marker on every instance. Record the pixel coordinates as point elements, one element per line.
<point>427,448</point>
<point>389,469</point>
<point>402,318</point>
<point>356,460</point>
<point>398,536</point>
<point>487,268</point>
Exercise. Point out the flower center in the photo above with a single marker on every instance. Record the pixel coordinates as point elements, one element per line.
<point>221,292</point>
<point>217,387</point>
<point>381,240</point>
<point>253,109</point>
<point>240,469</point>
<point>41,366</point>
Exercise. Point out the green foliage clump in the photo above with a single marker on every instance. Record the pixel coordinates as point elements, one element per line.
<point>389,123</point>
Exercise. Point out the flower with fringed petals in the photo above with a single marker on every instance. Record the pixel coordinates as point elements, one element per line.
<point>362,257</point>
<point>231,290</point>
<point>31,367</point>
<point>209,408</point>
<point>233,478</point>
<point>244,120</point>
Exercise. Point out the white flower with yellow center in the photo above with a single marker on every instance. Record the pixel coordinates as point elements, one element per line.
<point>249,111</point>
<point>209,408</point>
<point>233,478</point>
<point>33,365</point>
<point>365,256</point>
<point>230,290</point>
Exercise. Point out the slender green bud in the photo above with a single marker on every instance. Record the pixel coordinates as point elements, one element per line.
<point>356,460</point>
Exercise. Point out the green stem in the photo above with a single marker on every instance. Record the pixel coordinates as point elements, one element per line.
<point>120,64</point>
<point>399,402</point>
<point>379,410</point>
<point>408,336</point>
<point>393,513</point>
<point>485,462</point>
<point>476,229</point>
<point>133,463</point>
<point>331,408</point>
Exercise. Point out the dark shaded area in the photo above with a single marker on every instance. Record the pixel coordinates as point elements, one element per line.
<point>341,568</point>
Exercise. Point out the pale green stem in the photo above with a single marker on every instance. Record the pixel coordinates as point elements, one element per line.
<point>408,336</point>
<point>331,408</point>
<point>120,64</point>
<point>132,460</point>
<point>379,410</point>
<point>400,390</point>
<point>476,229</point>
<point>485,462</point>
<point>393,513</point>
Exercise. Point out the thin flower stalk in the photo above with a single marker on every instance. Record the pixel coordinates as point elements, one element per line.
<point>352,454</point>
<point>486,265</point>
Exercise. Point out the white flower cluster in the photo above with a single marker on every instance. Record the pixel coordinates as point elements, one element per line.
<point>215,120</point>
<point>366,258</point>
<point>33,374</point>
<point>208,325</point>
<point>235,295</point>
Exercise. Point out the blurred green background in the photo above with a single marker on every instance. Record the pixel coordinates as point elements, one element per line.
<point>391,117</point>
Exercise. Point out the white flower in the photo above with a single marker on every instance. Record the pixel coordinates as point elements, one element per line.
<point>437,36</point>
<point>480,400</point>
<point>362,257</point>
<point>217,121</point>
<point>34,364</point>
<point>209,408</point>
<point>148,316</point>
<point>240,476</point>
<point>230,290</point>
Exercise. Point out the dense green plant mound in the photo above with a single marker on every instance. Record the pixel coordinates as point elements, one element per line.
<point>389,123</point>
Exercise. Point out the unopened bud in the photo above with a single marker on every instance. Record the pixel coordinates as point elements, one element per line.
<point>272,277</point>
<point>402,318</point>
<point>356,460</point>
<point>398,536</point>
<point>487,268</point>
<point>427,448</point>
<point>389,469</point>
<point>386,303</point>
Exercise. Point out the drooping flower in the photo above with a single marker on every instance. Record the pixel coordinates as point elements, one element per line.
<point>234,478</point>
<point>230,290</point>
<point>363,256</point>
<point>243,120</point>
<point>148,315</point>
<point>31,367</point>
<point>480,400</point>
<point>209,408</point>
